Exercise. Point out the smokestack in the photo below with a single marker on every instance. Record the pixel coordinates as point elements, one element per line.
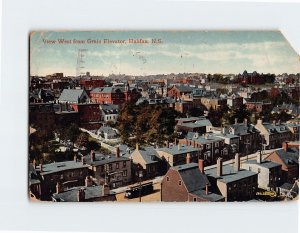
<point>58,187</point>
<point>274,122</point>
<point>188,158</point>
<point>235,120</point>
<point>88,181</point>
<point>137,146</point>
<point>258,158</point>
<point>259,121</point>
<point>206,188</point>
<point>118,152</point>
<point>219,167</point>
<point>237,162</point>
<point>201,165</point>
<point>41,167</point>
<point>246,121</point>
<point>93,156</point>
<point>80,195</point>
<point>75,158</point>
<point>82,160</point>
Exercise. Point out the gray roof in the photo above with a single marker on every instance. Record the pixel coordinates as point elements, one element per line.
<point>148,154</point>
<point>71,95</point>
<point>175,151</point>
<point>109,108</point>
<point>229,174</point>
<point>291,156</point>
<point>191,125</point>
<point>210,196</point>
<point>101,159</point>
<point>241,129</point>
<point>107,129</point>
<point>226,135</point>
<point>203,122</point>
<point>282,128</point>
<point>265,163</point>
<point>183,88</point>
<point>202,139</point>
<point>188,119</point>
<point>70,195</point>
<point>61,166</point>
<point>107,89</point>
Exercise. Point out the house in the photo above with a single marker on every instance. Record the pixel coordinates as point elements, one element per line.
<point>114,170</point>
<point>42,116</point>
<point>260,107</point>
<point>200,125</point>
<point>269,173</point>
<point>68,174</point>
<point>107,133</point>
<point>234,101</point>
<point>213,102</point>
<point>91,83</point>
<point>109,112</point>
<point>177,91</point>
<point>187,183</point>
<point>289,160</point>
<point>249,136</point>
<point>210,147</point>
<point>34,183</point>
<point>274,133</point>
<point>147,161</point>
<point>86,193</point>
<point>176,155</point>
<point>74,96</point>
<point>232,182</point>
<point>294,127</point>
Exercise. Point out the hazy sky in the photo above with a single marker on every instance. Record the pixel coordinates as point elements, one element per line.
<point>190,51</point>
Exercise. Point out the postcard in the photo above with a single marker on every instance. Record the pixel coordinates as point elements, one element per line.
<point>163,116</point>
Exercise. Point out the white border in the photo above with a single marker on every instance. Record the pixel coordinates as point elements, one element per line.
<point>19,17</point>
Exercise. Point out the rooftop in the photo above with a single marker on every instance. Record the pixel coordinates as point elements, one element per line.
<point>175,150</point>
<point>61,166</point>
<point>101,159</point>
<point>264,163</point>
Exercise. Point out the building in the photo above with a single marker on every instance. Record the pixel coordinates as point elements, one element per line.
<point>114,170</point>
<point>210,147</point>
<point>200,125</point>
<point>109,112</point>
<point>90,83</point>
<point>187,183</point>
<point>74,96</point>
<point>107,133</point>
<point>68,174</point>
<point>176,155</point>
<point>234,101</point>
<point>147,161</point>
<point>294,127</point>
<point>177,91</point>
<point>232,182</point>
<point>269,173</point>
<point>288,158</point>
<point>274,134</point>
<point>114,95</point>
<point>42,116</point>
<point>259,107</point>
<point>213,102</point>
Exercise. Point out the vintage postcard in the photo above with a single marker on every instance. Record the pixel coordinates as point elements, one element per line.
<point>163,116</point>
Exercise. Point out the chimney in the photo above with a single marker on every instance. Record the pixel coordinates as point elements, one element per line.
<point>237,162</point>
<point>194,143</point>
<point>88,181</point>
<point>105,190</point>
<point>178,146</point>
<point>259,121</point>
<point>118,152</point>
<point>206,188</point>
<point>175,141</point>
<point>93,156</point>
<point>279,122</point>
<point>58,187</point>
<point>80,195</point>
<point>188,158</point>
<point>75,158</point>
<point>246,121</point>
<point>34,164</point>
<point>201,165</point>
<point>274,122</point>
<point>137,146</point>
<point>82,160</point>
<point>219,167</point>
<point>258,158</point>
<point>285,145</point>
<point>235,120</point>
<point>41,167</point>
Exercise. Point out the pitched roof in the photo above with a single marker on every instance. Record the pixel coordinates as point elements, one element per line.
<point>183,88</point>
<point>265,163</point>
<point>61,166</point>
<point>71,95</point>
<point>101,159</point>
<point>291,156</point>
<point>148,154</point>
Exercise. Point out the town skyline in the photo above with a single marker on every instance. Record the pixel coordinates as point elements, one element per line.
<point>179,52</point>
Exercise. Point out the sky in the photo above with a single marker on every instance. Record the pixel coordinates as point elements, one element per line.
<point>227,52</point>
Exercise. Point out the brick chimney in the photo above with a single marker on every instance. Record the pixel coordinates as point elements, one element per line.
<point>259,121</point>
<point>41,167</point>
<point>285,145</point>
<point>237,162</point>
<point>82,160</point>
<point>188,158</point>
<point>201,165</point>
<point>137,146</point>
<point>75,158</point>
<point>206,188</point>
<point>80,195</point>
<point>235,120</point>
<point>245,121</point>
<point>118,152</point>
<point>178,146</point>
<point>219,167</point>
<point>93,156</point>
<point>58,187</point>
<point>105,190</point>
<point>88,181</point>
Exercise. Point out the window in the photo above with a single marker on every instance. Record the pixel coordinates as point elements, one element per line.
<point>168,178</point>
<point>110,167</point>
<point>195,199</point>
<point>124,164</point>
<point>125,173</point>
<point>179,182</point>
<point>217,144</point>
<point>207,146</point>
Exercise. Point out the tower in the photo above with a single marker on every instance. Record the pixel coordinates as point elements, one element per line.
<point>80,62</point>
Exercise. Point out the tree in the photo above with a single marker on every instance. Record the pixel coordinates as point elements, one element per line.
<point>82,140</point>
